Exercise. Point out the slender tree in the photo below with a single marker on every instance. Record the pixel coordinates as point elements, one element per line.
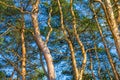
<point>23,64</point>
<point>110,18</point>
<point>106,48</point>
<point>41,44</point>
<point>79,41</point>
<point>69,42</point>
<point>116,4</point>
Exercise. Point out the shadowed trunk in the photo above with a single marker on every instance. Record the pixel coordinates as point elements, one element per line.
<point>99,68</point>
<point>116,3</point>
<point>91,66</point>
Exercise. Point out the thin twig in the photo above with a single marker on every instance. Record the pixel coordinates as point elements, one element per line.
<point>49,25</point>
<point>12,6</point>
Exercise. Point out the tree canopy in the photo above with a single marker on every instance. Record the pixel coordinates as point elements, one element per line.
<point>60,39</point>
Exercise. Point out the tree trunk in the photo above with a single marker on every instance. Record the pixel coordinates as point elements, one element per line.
<point>113,27</point>
<point>91,66</point>
<point>23,65</point>
<point>99,68</point>
<point>108,71</point>
<point>106,48</point>
<point>41,44</point>
<point>118,10</point>
<point>107,7</point>
<point>75,70</point>
<point>79,42</point>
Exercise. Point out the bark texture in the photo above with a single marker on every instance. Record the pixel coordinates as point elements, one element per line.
<point>113,27</point>
<point>116,3</point>
<point>110,18</point>
<point>79,42</point>
<point>75,70</point>
<point>41,44</point>
<point>23,65</point>
<point>106,48</point>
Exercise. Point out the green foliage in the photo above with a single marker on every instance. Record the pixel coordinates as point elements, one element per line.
<point>65,72</point>
<point>87,77</point>
<point>85,24</point>
<point>11,11</point>
<point>1,40</point>
<point>2,75</point>
<point>101,50</point>
<point>39,74</point>
<point>7,8</point>
<point>9,2</point>
<point>65,8</point>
